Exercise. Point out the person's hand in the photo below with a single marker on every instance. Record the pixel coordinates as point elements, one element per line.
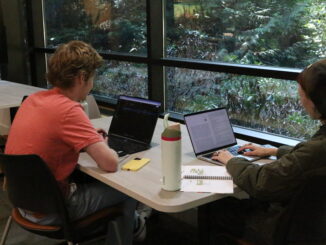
<point>222,156</point>
<point>256,150</point>
<point>103,133</point>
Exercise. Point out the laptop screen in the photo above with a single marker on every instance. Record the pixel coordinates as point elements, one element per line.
<point>135,118</point>
<point>210,130</point>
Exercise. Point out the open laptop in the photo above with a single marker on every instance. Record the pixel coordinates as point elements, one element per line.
<point>210,131</point>
<point>133,124</point>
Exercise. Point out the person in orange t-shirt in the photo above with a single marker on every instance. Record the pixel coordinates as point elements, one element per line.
<point>53,125</point>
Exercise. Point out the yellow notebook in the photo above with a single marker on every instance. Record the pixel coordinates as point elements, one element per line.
<point>135,164</point>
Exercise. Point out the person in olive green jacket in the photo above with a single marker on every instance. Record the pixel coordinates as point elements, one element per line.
<point>271,186</point>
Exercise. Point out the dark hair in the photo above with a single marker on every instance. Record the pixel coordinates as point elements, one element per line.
<point>70,60</point>
<point>313,82</point>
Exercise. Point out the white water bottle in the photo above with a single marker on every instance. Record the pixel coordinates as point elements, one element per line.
<point>171,156</point>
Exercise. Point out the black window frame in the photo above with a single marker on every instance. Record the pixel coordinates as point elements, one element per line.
<point>156,63</point>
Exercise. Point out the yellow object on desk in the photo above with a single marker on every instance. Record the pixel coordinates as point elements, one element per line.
<point>135,164</point>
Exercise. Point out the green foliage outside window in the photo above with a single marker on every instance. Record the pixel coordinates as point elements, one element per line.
<point>266,32</point>
<point>116,78</point>
<point>109,25</point>
<point>264,104</point>
<point>287,34</point>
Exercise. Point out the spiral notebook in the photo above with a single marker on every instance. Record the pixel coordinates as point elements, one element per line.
<point>206,179</point>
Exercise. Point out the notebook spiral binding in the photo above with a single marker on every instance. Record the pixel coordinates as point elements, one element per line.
<point>207,177</point>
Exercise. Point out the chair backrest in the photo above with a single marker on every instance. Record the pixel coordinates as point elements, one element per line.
<point>305,221</point>
<point>13,110</point>
<point>93,110</point>
<point>32,186</point>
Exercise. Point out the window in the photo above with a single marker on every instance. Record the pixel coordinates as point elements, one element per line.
<point>118,26</point>
<point>274,33</point>
<point>116,78</point>
<point>264,104</point>
<point>282,34</point>
<point>243,55</point>
<point>115,25</point>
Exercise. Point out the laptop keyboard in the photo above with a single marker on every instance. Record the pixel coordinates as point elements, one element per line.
<point>233,150</point>
<point>123,147</point>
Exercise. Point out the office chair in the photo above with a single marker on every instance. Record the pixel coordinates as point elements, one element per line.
<point>3,140</point>
<point>93,110</point>
<point>31,186</point>
<point>302,223</point>
<point>13,110</point>
<point>305,221</point>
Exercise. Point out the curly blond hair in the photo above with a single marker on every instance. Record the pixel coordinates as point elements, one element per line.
<point>71,60</point>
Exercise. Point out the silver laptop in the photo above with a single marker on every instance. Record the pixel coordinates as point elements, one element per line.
<point>210,131</point>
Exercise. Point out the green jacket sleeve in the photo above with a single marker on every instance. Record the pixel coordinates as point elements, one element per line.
<point>282,150</point>
<point>278,180</point>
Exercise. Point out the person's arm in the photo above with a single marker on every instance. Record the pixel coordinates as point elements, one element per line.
<point>224,156</point>
<point>106,158</point>
<point>256,150</point>
<point>284,149</point>
<point>79,133</point>
<point>278,180</point>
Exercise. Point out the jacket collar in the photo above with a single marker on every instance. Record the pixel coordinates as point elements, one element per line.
<point>321,131</point>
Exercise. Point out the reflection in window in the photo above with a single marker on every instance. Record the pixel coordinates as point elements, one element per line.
<point>265,104</point>
<point>116,78</point>
<point>107,25</point>
<point>274,33</point>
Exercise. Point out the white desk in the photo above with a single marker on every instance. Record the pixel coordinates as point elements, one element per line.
<point>11,95</point>
<point>144,185</point>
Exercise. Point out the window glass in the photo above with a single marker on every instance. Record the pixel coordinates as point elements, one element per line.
<point>116,78</point>
<point>111,25</point>
<point>265,33</point>
<point>261,32</point>
<point>264,104</point>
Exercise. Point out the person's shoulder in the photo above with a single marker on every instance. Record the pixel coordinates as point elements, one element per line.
<point>52,100</point>
<point>315,147</point>
<point>54,96</point>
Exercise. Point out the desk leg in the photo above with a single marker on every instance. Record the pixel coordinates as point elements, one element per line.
<point>204,224</point>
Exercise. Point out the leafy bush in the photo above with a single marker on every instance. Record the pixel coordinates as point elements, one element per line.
<point>284,33</point>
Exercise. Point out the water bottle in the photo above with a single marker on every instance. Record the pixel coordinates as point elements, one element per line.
<point>171,156</point>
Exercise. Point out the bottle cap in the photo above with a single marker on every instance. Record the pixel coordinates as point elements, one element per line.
<point>171,131</point>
